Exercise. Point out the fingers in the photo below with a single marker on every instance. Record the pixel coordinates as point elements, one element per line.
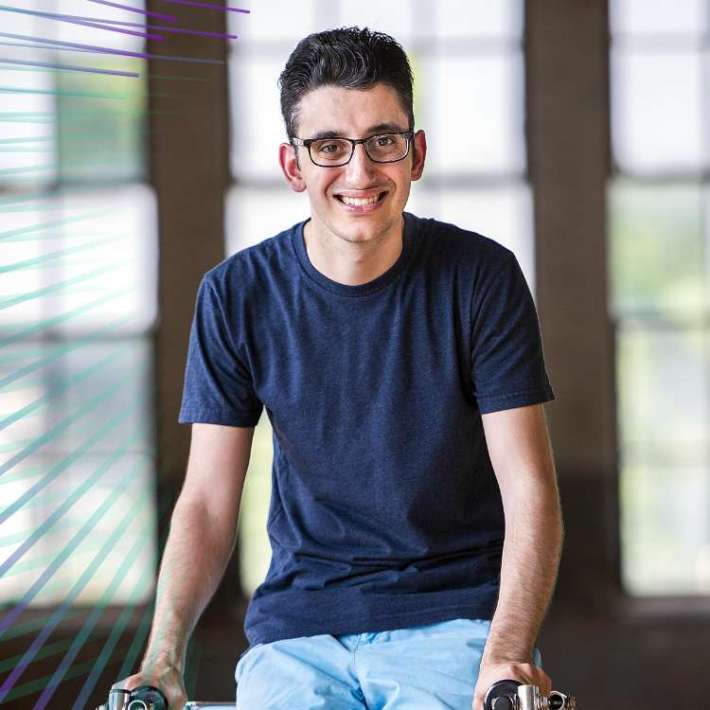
<point>541,680</point>
<point>130,683</point>
<point>531,675</point>
<point>523,673</point>
<point>170,684</point>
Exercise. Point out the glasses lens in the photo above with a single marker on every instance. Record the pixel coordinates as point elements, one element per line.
<point>387,147</point>
<point>330,151</point>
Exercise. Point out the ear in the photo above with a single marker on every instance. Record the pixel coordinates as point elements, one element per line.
<point>419,150</point>
<point>288,159</point>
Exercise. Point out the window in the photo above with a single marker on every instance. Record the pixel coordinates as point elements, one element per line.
<point>660,291</point>
<point>77,303</point>
<point>476,173</point>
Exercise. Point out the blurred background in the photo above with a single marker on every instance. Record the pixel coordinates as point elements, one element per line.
<point>138,148</point>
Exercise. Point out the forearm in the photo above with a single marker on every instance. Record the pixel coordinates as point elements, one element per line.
<point>531,555</point>
<point>194,560</point>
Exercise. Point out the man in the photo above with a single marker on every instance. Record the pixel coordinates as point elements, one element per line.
<point>414,520</point>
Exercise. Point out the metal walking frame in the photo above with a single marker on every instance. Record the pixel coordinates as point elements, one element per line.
<point>503,695</point>
<point>511,695</point>
<point>151,698</point>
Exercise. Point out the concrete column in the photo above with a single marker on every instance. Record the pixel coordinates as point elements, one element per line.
<point>568,143</point>
<point>189,164</point>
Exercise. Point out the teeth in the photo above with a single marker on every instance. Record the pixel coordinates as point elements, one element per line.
<point>357,202</point>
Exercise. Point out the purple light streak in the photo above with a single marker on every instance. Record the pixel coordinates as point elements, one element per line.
<point>159,15</point>
<point>86,21</point>
<point>208,6</point>
<point>182,31</point>
<point>68,67</point>
<point>105,50</point>
<point>172,30</point>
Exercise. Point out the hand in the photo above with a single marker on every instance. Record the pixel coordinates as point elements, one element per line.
<point>493,671</point>
<point>161,675</point>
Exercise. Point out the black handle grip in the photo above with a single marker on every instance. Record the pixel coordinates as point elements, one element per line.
<point>501,695</point>
<point>151,696</point>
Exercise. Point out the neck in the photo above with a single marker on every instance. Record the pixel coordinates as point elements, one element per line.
<point>353,262</point>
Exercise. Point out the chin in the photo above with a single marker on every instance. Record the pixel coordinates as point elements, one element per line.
<point>360,232</point>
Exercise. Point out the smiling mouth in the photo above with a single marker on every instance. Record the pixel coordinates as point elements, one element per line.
<point>357,202</point>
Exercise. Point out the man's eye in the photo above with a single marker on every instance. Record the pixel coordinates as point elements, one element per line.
<point>329,147</point>
<point>384,140</point>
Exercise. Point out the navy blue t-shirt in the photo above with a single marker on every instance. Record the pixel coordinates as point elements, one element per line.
<point>385,510</point>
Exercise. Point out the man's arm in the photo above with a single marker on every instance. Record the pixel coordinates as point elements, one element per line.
<point>521,454</point>
<point>201,540</point>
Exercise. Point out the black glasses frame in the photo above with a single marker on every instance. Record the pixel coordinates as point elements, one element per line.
<point>306,143</point>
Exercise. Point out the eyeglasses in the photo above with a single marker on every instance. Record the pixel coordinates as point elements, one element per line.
<point>336,152</point>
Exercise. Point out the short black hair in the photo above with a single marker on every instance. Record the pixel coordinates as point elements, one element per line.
<point>349,57</point>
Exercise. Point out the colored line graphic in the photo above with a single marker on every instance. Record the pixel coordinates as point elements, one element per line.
<point>81,525</point>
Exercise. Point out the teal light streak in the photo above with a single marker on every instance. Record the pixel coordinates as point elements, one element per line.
<point>70,501</point>
<point>40,260</point>
<point>32,151</point>
<point>28,627</point>
<point>116,631</point>
<point>59,92</point>
<point>60,387</point>
<point>90,622</point>
<point>36,685</point>
<point>48,322</point>
<point>61,350</point>
<point>61,286</point>
<point>59,613</point>
<point>53,223</point>
<point>43,66</point>
<point>69,548</point>
<point>55,470</point>
<point>33,139</point>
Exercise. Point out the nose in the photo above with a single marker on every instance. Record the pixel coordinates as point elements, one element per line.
<point>360,167</point>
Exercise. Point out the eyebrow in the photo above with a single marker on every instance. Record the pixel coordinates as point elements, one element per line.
<point>372,130</point>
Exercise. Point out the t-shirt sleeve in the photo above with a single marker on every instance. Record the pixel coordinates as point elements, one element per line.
<point>218,386</point>
<point>508,368</point>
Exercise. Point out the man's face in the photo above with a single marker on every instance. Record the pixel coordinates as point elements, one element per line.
<point>353,113</point>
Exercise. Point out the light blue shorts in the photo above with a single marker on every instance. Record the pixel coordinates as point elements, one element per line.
<point>434,666</point>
